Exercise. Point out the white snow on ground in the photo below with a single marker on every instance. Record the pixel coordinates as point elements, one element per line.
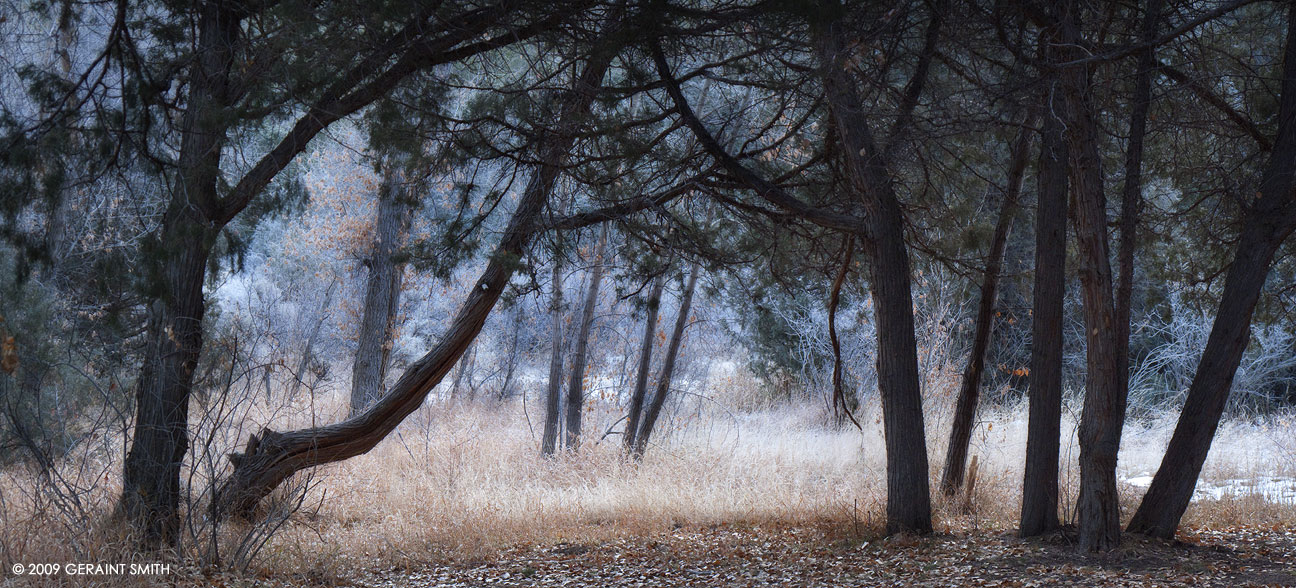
<point>1273,489</point>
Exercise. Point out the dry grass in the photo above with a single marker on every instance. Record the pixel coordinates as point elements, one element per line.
<point>461,481</point>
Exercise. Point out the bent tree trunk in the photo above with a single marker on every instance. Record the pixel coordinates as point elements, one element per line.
<point>576,387</point>
<point>645,366</point>
<point>553,393</point>
<point>970,390</point>
<point>197,212</point>
<point>1039,512</point>
<point>1269,222</point>
<point>382,293</point>
<point>653,411</point>
<point>270,457</point>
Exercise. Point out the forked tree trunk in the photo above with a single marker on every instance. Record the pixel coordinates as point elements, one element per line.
<point>970,390</point>
<point>576,387</point>
<point>1269,221</point>
<point>382,292</point>
<point>654,408</point>
<point>1039,511</point>
<point>1103,415</point>
<point>553,392</point>
<point>270,457</point>
<point>645,366</point>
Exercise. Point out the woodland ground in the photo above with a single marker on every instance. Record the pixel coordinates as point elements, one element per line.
<point>732,494</point>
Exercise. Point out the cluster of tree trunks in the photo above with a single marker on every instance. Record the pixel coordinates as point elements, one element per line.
<point>1069,164</point>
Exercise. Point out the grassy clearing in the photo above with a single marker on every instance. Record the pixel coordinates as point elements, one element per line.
<point>464,481</point>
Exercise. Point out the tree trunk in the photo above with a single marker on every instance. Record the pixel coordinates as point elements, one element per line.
<point>1103,415</point>
<point>553,395</point>
<point>908,490</point>
<point>1132,192</point>
<point>382,292</point>
<point>576,387</point>
<point>1039,512</point>
<point>970,391</point>
<point>645,366</point>
<point>271,457</point>
<point>150,499</point>
<point>1268,223</point>
<point>653,411</point>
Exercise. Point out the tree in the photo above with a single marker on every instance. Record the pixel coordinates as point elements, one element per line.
<point>553,390</point>
<point>869,187</point>
<point>382,292</point>
<point>634,416</point>
<point>970,390</point>
<point>271,457</point>
<point>1039,512</point>
<point>653,411</point>
<point>1268,221</point>
<point>576,387</point>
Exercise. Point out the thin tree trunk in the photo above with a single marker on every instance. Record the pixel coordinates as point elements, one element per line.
<point>841,405</point>
<point>970,391</point>
<point>1269,222</point>
<point>553,395</point>
<point>653,411</point>
<point>382,292</point>
<point>576,387</point>
<point>465,363</point>
<point>1103,415</point>
<point>645,366</point>
<point>1132,191</point>
<point>1039,514</point>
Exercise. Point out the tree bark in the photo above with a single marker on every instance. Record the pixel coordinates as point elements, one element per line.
<point>553,395</point>
<point>1103,415</point>
<point>1039,514</point>
<point>382,292</point>
<point>576,386</point>
<point>970,390</point>
<point>654,408</point>
<point>645,366</point>
<point>1268,223</point>
<point>150,499</point>
<point>270,457</point>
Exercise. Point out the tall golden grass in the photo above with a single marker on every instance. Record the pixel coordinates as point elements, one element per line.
<point>462,480</point>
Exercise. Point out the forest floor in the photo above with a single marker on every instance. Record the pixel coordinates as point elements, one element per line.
<point>726,555</point>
